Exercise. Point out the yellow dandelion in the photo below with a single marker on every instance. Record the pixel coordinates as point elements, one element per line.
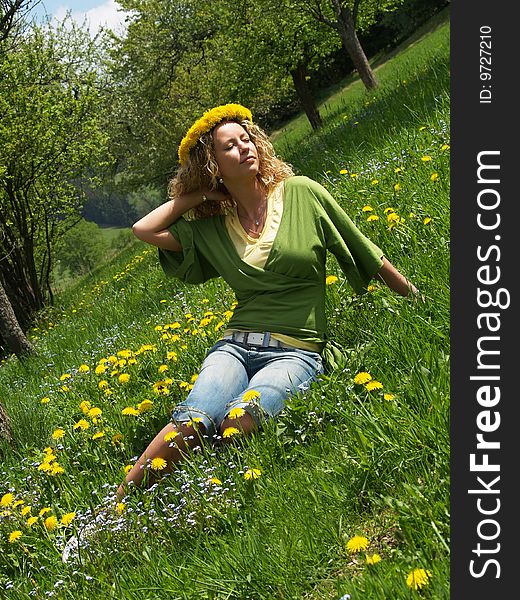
<point>427,220</point>
<point>171,355</point>
<point>51,523</point>
<point>219,325</point>
<point>7,500</point>
<point>252,474</point>
<point>81,424</point>
<point>236,413</point>
<point>418,578</point>
<point>343,172</point>
<point>158,464</point>
<point>117,438</point>
<point>215,481</point>
<point>57,434</point>
<point>120,508</point>
<point>250,395</point>
<point>354,175</point>
<point>45,400</point>
<point>14,536</point>
<point>100,369</point>
<point>357,544</point>
<point>94,412</point>
<point>388,397</point>
<point>98,435</point>
<point>144,406</point>
<point>124,378</point>
<point>371,288</point>
<point>434,176</point>
<point>171,435</point>
<point>422,128</point>
<point>445,147</point>
<point>31,521</point>
<point>56,469</point>
<point>393,217</point>
<point>65,376</point>
<point>362,377</point>
<point>398,170</point>
<point>330,279</point>
<point>230,432</point>
<point>373,385</point>
<point>128,468</point>
<point>68,518</point>
<point>372,218</point>
<point>161,388</point>
<point>84,369</point>
<point>426,158</point>
<point>367,208</point>
<point>130,411</point>
<point>375,181</point>
<point>85,406</point>
<point>103,384</point>
<point>397,187</point>
<point>373,560</point>
<point>25,511</point>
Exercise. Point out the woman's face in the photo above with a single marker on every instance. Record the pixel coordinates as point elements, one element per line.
<point>235,153</point>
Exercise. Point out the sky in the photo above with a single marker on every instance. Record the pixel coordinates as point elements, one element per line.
<point>97,13</point>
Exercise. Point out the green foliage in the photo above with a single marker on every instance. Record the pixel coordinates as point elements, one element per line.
<point>344,460</point>
<point>82,248</point>
<point>50,136</point>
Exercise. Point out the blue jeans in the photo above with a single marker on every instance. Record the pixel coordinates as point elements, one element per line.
<point>231,369</point>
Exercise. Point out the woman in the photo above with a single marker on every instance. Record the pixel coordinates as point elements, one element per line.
<point>238,211</point>
<point>266,232</point>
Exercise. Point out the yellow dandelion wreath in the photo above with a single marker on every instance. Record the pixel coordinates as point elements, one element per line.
<point>208,120</point>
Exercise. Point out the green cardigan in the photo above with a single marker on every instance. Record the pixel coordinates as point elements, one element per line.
<point>287,295</point>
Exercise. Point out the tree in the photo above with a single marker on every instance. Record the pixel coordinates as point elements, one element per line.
<point>345,16</point>
<point>10,331</point>
<point>12,14</point>
<point>264,43</point>
<point>154,86</point>
<point>50,137</point>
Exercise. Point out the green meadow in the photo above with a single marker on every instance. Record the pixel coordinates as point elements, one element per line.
<point>347,492</point>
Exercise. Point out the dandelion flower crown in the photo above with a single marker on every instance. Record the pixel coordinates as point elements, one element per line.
<point>208,120</point>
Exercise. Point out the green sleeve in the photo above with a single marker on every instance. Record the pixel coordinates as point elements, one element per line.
<point>188,265</point>
<point>359,258</point>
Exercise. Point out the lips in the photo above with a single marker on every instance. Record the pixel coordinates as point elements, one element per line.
<point>249,159</point>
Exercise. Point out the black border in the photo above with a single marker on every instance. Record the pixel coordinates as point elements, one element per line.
<point>477,127</point>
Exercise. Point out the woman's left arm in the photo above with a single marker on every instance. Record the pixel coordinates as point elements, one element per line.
<point>395,280</point>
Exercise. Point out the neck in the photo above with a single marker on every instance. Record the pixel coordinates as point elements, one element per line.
<point>248,195</point>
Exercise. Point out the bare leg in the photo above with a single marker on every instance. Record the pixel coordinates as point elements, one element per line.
<point>172,450</point>
<point>245,424</point>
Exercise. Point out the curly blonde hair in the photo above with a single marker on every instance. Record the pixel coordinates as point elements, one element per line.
<point>200,170</point>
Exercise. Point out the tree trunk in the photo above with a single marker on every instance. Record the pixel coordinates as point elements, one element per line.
<point>347,31</point>
<point>5,430</point>
<point>299,77</point>
<point>10,331</point>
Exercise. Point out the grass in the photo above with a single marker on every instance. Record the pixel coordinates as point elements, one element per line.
<point>340,462</point>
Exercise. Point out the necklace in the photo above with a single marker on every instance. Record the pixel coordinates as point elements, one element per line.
<point>260,215</point>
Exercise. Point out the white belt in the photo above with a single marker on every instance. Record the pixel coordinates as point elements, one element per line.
<point>261,340</point>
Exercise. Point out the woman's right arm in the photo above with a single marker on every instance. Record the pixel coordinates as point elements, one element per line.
<point>153,227</point>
